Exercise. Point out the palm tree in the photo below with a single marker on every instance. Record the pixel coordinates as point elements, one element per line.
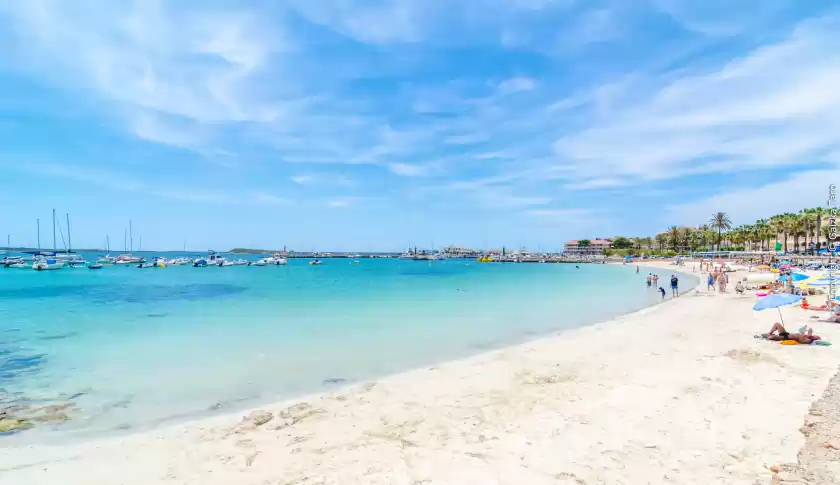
<point>819,213</point>
<point>685,237</point>
<point>661,240</point>
<point>777,224</point>
<point>788,225</point>
<point>720,221</point>
<point>813,226</point>
<point>584,243</point>
<point>692,240</point>
<point>806,221</point>
<point>674,237</point>
<point>762,230</point>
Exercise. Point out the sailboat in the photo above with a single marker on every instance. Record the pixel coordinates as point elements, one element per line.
<point>71,259</point>
<point>128,243</point>
<point>107,259</point>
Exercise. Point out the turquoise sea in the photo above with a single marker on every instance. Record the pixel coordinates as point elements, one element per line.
<point>136,348</point>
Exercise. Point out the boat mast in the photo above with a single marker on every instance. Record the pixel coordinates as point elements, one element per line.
<point>38,223</point>
<point>69,243</point>
<point>55,245</point>
<point>130,237</point>
<point>125,240</point>
<point>107,244</point>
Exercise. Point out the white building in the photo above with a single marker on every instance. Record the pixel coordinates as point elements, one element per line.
<point>595,247</point>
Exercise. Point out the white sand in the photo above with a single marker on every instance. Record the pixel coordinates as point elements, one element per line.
<point>678,393</point>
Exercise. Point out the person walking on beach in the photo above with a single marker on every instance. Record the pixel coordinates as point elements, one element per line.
<point>675,286</point>
<point>710,282</point>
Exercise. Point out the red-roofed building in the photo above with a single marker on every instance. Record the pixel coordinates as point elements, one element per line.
<point>595,247</point>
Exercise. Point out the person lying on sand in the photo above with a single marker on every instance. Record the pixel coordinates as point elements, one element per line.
<point>834,318</point>
<point>827,306</point>
<point>803,338</point>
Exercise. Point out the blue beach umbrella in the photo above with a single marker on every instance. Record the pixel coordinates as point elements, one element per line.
<point>794,277</point>
<point>776,301</point>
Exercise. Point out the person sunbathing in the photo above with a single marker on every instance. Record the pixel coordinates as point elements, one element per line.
<point>778,333</point>
<point>828,305</point>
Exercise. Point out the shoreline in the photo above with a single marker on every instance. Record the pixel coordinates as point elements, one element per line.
<point>624,387</point>
<point>233,408</point>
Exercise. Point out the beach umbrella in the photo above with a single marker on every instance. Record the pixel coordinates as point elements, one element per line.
<point>776,301</point>
<point>820,283</point>
<point>795,277</point>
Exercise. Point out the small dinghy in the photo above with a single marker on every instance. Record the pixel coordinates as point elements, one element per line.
<point>95,266</point>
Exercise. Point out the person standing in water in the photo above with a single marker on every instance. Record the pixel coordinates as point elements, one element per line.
<point>675,286</point>
<point>637,269</point>
<point>649,280</point>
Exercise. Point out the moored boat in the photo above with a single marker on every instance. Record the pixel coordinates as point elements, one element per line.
<point>46,262</point>
<point>212,259</point>
<point>128,258</point>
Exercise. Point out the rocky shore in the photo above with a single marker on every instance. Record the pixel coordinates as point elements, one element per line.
<point>16,416</point>
<point>818,462</point>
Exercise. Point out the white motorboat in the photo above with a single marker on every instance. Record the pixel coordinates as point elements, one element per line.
<point>46,263</point>
<point>77,263</point>
<point>225,263</point>
<point>178,261</point>
<point>260,262</point>
<point>277,259</point>
<point>240,262</point>
<point>107,259</point>
<point>128,258</point>
<point>15,262</point>
<point>212,259</point>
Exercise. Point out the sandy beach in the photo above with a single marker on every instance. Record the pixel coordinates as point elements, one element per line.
<point>676,393</point>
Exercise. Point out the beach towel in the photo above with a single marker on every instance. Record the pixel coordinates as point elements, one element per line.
<point>789,342</point>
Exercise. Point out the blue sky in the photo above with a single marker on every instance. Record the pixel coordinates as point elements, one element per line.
<point>372,124</point>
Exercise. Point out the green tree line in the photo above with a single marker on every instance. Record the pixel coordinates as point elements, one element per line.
<point>793,231</point>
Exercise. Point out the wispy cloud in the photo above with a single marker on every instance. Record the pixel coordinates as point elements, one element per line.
<point>522,107</point>
<point>105,178</point>
<point>270,199</point>
<point>516,84</point>
<point>559,212</point>
<point>769,108</point>
<point>342,202</point>
<point>322,179</point>
<point>746,205</point>
<point>409,170</point>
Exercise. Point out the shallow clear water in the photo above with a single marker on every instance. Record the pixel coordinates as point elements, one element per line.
<point>134,348</point>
